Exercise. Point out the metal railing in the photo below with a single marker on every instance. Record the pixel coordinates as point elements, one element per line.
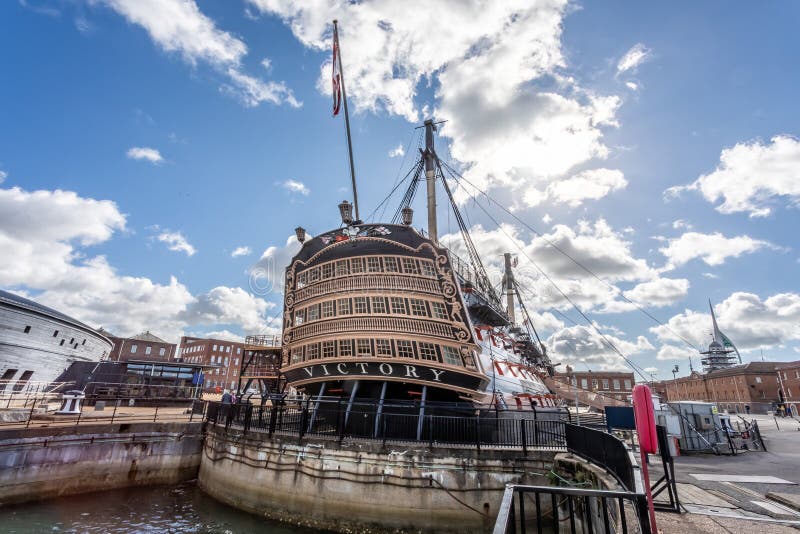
<point>555,509</point>
<point>441,426</point>
<point>603,449</point>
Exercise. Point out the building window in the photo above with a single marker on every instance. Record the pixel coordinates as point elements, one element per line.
<point>328,349</point>
<point>451,355</point>
<point>627,385</point>
<point>313,275</point>
<point>55,333</point>
<point>418,307</point>
<point>404,349</point>
<point>299,317</point>
<point>594,384</point>
<point>360,304</point>
<point>346,348</point>
<point>616,383</point>
<point>378,305</point>
<point>312,351</point>
<point>357,265</point>
<point>313,312</point>
<point>239,350</point>
<point>383,347</point>
<point>410,266</point>
<point>797,374</point>
<point>374,264</point>
<point>215,348</point>
<point>148,349</point>
<point>439,310</point>
<point>27,329</point>
<point>391,265</point>
<point>341,268</point>
<point>363,347</point>
<point>398,305</point>
<point>62,342</point>
<point>605,383</point>
<point>327,271</point>
<point>228,348</point>
<point>226,361</point>
<point>297,355</point>
<point>327,308</point>
<point>758,380</point>
<point>344,306</point>
<point>84,342</point>
<point>133,349</point>
<point>584,383</point>
<point>427,268</point>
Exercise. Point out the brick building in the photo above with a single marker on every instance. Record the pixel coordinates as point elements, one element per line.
<point>789,382</point>
<point>617,385</point>
<point>750,387</point>
<point>142,347</point>
<point>224,357</point>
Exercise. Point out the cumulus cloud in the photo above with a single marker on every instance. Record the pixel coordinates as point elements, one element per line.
<point>3,176</point>
<point>241,251</point>
<point>748,320</point>
<point>46,239</point>
<point>632,86</point>
<point>178,26</point>
<point>672,352</point>
<point>659,292</point>
<point>713,249</point>
<point>582,345</point>
<point>177,242</point>
<point>267,274</point>
<point>145,153</point>
<point>397,151</point>
<point>751,177</point>
<point>587,185</point>
<point>296,186</point>
<point>634,57</point>
<point>514,120</point>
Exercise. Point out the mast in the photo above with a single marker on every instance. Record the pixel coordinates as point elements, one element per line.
<point>430,177</point>
<point>346,115</point>
<point>509,283</point>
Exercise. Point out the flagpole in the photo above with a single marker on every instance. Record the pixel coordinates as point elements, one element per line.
<point>346,118</point>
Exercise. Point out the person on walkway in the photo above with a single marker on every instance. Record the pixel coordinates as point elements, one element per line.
<point>227,413</point>
<point>227,398</point>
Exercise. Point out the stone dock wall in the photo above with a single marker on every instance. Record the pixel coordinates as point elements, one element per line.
<point>359,486</point>
<point>40,463</point>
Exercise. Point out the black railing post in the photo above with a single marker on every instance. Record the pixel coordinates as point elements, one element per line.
<point>340,422</point>
<point>524,442</point>
<point>248,414</point>
<point>303,423</point>
<point>273,418</point>
<point>478,431</point>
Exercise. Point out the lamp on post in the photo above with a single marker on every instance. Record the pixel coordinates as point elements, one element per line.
<point>407,215</point>
<point>300,232</point>
<point>675,381</point>
<point>346,211</point>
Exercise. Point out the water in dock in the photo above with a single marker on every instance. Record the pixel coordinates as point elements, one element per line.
<point>175,509</point>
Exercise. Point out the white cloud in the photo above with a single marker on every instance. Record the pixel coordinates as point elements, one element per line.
<point>750,177</point>
<point>398,151</point>
<point>505,129</point>
<point>748,320</point>
<point>710,276</point>
<point>296,186</point>
<point>178,26</point>
<point>266,63</point>
<point>176,241</point>
<point>547,219</point>
<point>145,153</point>
<point>651,370</point>
<point>713,249</point>
<point>3,176</point>
<point>659,292</point>
<point>634,57</point>
<point>267,275</point>
<point>587,185</point>
<point>241,251</point>
<point>680,224</point>
<point>632,86</point>
<point>46,239</point>
<point>582,345</point>
<point>671,352</point>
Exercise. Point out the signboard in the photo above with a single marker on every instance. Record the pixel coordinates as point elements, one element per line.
<point>620,417</point>
<point>383,370</point>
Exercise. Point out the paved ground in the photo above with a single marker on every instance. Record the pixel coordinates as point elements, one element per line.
<point>739,506</point>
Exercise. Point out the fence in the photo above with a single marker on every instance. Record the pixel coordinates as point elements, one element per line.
<point>122,410</point>
<point>602,449</point>
<point>550,508</point>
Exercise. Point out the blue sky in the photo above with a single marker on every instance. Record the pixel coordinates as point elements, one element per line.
<point>144,142</point>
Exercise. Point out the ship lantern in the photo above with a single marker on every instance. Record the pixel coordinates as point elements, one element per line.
<point>346,211</point>
<point>408,215</point>
<point>300,232</point>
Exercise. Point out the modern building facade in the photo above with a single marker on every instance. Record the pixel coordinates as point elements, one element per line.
<point>613,384</point>
<point>37,343</point>
<point>222,357</point>
<point>749,388</point>
<point>145,347</point>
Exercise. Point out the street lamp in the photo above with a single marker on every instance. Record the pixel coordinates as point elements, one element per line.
<point>675,380</point>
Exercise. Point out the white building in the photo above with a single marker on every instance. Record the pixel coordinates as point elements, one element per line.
<point>37,343</point>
